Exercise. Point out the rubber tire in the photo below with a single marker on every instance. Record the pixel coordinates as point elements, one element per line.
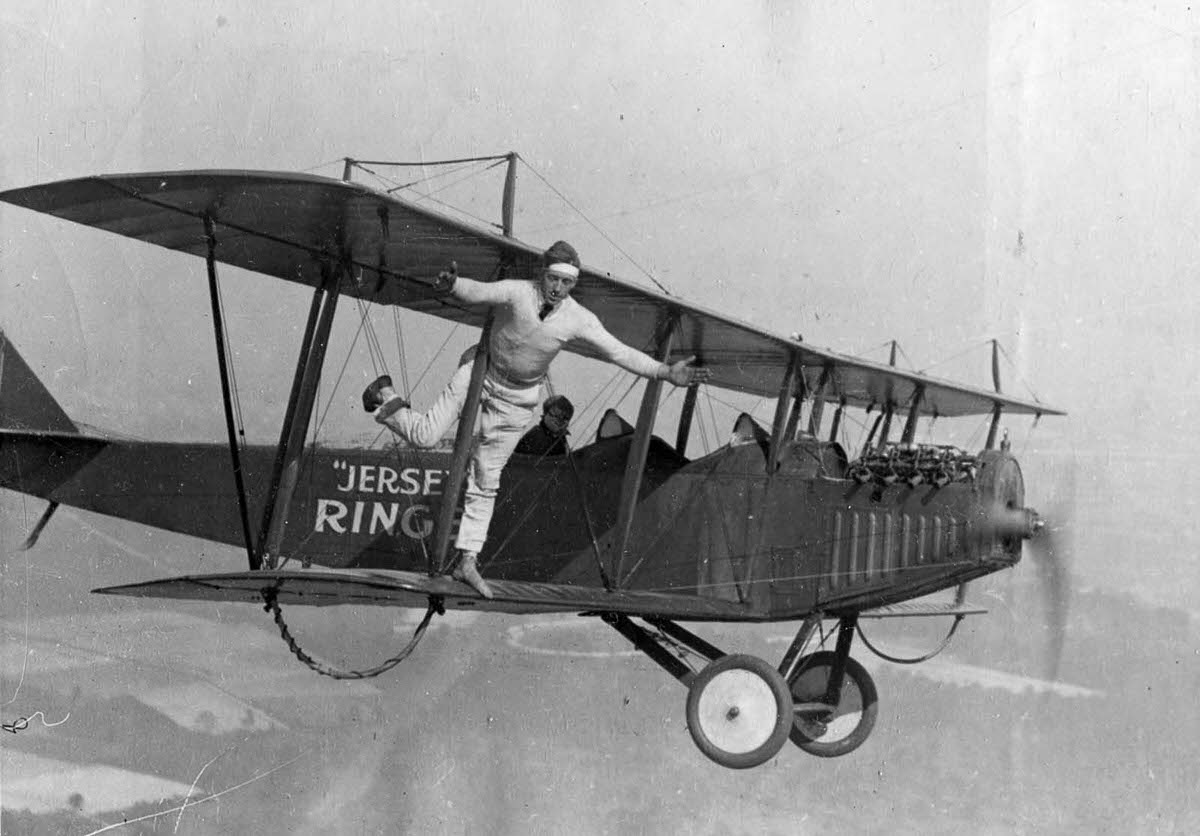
<point>856,676</point>
<point>783,711</point>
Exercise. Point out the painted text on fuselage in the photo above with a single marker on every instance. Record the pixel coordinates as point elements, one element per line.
<point>377,514</point>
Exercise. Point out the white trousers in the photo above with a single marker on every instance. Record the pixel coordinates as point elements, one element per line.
<point>505,413</point>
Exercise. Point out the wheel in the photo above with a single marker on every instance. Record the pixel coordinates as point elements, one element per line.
<point>739,711</point>
<point>819,731</point>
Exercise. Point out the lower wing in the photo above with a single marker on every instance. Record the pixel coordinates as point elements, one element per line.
<point>325,587</point>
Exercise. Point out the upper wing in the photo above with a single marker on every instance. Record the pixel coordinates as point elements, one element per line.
<point>321,587</point>
<point>296,227</point>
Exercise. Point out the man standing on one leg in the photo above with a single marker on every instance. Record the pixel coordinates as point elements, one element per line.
<point>533,321</point>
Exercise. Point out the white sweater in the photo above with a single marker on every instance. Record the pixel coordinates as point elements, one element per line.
<point>522,346</point>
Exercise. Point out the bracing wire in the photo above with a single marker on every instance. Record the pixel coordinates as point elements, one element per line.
<point>872,349</point>
<point>423,163</point>
<point>234,397</point>
<point>470,215</point>
<point>977,433</point>
<point>312,168</point>
<point>1017,373</point>
<point>900,350</point>
<point>401,355</point>
<point>394,186</point>
<point>529,509</point>
<point>702,426</point>
<point>368,333</point>
<point>633,383</point>
<point>954,356</point>
<point>596,227</point>
<point>447,173</point>
<point>444,186</point>
<point>665,526</point>
<point>374,346</point>
<point>594,403</point>
<point>340,375</point>
<point>708,399</point>
<point>436,354</point>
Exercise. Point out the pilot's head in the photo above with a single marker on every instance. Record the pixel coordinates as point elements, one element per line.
<point>560,272</point>
<point>557,413</point>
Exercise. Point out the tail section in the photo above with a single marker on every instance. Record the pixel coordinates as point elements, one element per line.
<point>25,404</point>
<point>40,446</point>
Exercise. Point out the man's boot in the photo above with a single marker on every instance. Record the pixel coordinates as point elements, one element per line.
<point>467,571</point>
<point>382,399</point>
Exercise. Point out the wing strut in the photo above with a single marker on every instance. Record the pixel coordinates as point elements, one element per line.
<point>685,418</point>
<point>32,539</point>
<point>818,407</point>
<point>632,481</point>
<point>299,412</point>
<point>218,314</point>
<point>790,386</point>
<point>465,436</point>
<point>889,408</point>
<point>991,437</point>
<point>463,441</point>
<point>798,396</point>
<point>914,412</point>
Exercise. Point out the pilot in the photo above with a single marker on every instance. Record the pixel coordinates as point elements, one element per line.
<point>533,321</point>
<point>549,437</point>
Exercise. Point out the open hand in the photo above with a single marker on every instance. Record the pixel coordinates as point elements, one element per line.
<point>684,373</point>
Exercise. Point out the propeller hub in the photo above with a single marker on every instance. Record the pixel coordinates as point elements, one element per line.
<point>1014,523</point>
<point>1032,524</point>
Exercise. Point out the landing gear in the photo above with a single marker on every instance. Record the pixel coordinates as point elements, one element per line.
<point>739,711</point>
<point>834,698</point>
<point>829,730</point>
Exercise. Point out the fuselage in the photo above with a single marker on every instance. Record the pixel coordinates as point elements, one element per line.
<point>784,544</point>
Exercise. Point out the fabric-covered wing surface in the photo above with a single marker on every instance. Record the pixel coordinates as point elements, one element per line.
<point>299,227</point>
<point>320,587</point>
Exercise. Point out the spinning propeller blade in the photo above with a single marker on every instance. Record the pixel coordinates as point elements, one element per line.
<point>1048,552</point>
<point>1046,545</point>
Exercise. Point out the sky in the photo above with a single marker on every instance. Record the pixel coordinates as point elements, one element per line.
<point>937,173</point>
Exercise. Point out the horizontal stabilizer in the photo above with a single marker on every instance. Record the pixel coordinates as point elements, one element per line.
<point>320,587</point>
<point>25,404</point>
<point>909,609</point>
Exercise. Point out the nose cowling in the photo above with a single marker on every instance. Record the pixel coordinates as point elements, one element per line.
<point>1003,521</point>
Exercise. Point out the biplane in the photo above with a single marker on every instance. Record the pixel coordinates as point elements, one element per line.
<point>631,529</point>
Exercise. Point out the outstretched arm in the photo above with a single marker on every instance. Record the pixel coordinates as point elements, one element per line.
<point>682,373</point>
<point>448,282</point>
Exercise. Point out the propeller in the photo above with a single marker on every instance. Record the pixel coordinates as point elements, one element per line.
<point>1045,543</point>
<point>1048,551</point>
